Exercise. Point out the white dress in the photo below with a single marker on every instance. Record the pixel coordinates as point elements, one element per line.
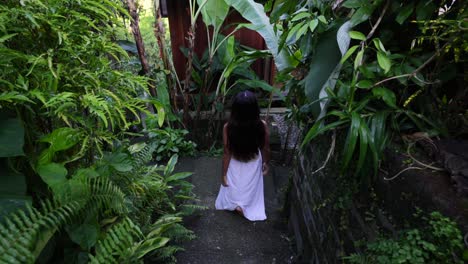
<point>244,190</point>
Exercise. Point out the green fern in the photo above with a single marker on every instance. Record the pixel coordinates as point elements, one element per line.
<point>25,233</point>
<point>125,243</point>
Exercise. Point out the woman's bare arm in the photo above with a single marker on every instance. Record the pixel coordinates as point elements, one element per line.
<point>226,156</point>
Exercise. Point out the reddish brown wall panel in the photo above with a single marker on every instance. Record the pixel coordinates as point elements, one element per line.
<point>179,23</point>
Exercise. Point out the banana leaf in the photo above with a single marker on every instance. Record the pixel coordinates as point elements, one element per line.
<point>255,14</point>
<point>213,12</point>
<point>325,67</point>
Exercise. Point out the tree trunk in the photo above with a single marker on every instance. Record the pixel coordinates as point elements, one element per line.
<point>188,72</point>
<point>159,33</point>
<point>135,25</point>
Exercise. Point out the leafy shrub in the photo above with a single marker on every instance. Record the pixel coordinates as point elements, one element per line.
<point>66,108</point>
<point>169,141</point>
<point>438,241</point>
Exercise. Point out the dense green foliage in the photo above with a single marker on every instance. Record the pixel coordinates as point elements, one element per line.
<point>370,72</point>
<point>67,109</point>
<point>438,240</point>
<point>401,73</point>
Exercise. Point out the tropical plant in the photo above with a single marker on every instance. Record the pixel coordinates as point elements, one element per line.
<point>170,141</point>
<point>437,240</point>
<point>66,111</point>
<point>363,95</point>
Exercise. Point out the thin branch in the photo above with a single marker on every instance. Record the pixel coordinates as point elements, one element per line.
<point>421,163</point>
<point>409,75</point>
<point>399,173</point>
<point>330,152</point>
<point>374,28</point>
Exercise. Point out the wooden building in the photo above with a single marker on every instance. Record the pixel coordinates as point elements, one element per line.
<point>178,14</point>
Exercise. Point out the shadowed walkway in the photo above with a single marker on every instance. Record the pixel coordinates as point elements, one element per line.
<point>225,237</point>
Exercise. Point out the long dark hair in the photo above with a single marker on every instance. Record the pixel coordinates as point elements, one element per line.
<point>246,132</point>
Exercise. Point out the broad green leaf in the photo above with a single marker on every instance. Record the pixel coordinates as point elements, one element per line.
<point>85,233</point>
<point>404,13</point>
<point>137,147</point>
<point>323,63</point>
<point>362,14</point>
<point>357,35</point>
<point>386,95</point>
<point>86,173</point>
<point>357,60</point>
<point>52,173</point>
<point>349,53</point>
<point>214,12</point>
<point>300,16</point>
<point>62,138</point>
<point>322,19</point>
<point>120,162</point>
<point>227,50</point>
<point>293,33</point>
<point>378,44</point>
<point>354,3</point>
<point>178,176</point>
<point>313,25</point>
<point>171,165</point>
<point>11,137</point>
<point>150,245</point>
<point>255,13</point>
<point>302,30</point>
<point>163,95</point>
<point>364,84</point>
<point>384,62</point>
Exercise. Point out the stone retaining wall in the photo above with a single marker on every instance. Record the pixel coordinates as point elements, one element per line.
<point>326,230</point>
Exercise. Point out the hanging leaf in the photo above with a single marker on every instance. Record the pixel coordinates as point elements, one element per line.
<point>53,174</point>
<point>178,176</point>
<point>62,138</point>
<point>379,45</point>
<point>384,62</point>
<point>404,13</point>
<point>357,60</point>
<point>213,12</point>
<point>255,13</point>
<point>362,14</point>
<point>313,25</point>
<point>349,53</point>
<point>364,84</point>
<point>300,16</point>
<point>354,3</point>
<point>386,95</point>
<point>293,33</point>
<point>357,35</point>
<point>119,161</point>
<point>171,165</point>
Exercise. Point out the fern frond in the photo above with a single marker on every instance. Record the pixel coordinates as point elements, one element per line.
<point>25,233</point>
<point>125,243</point>
<point>189,209</point>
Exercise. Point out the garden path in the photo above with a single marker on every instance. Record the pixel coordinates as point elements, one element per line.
<point>225,237</point>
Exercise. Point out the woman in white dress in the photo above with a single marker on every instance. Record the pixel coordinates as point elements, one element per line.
<point>245,159</point>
